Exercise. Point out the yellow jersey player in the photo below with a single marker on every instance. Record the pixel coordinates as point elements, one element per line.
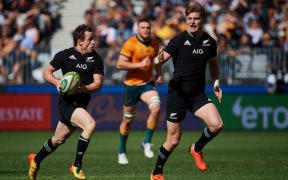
<point>137,56</point>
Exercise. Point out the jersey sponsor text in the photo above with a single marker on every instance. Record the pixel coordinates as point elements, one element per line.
<point>197,51</point>
<point>81,66</point>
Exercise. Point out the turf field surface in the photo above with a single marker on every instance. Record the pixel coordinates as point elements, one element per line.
<point>232,155</point>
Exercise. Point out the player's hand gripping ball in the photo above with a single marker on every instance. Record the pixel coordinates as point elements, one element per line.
<point>69,83</point>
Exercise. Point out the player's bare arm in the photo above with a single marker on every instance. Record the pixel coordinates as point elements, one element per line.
<point>95,86</point>
<point>50,78</point>
<point>158,73</point>
<point>214,71</point>
<point>124,63</point>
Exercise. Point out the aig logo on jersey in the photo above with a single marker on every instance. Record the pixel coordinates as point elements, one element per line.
<point>197,51</point>
<point>81,66</point>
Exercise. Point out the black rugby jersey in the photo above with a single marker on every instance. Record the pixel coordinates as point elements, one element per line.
<point>85,65</point>
<point>190,57</point>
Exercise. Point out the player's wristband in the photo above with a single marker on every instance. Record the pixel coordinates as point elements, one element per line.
<point>216,84</point>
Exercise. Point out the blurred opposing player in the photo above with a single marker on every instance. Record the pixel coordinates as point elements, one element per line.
<point>137,56</point>
<point>191,51</point>
<point>89,65</point>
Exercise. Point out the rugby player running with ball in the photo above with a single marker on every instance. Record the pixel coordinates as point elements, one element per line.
<point>72,108</point>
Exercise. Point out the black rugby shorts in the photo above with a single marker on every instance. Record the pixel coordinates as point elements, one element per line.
<point>177,104</point>
<point>67,106</point>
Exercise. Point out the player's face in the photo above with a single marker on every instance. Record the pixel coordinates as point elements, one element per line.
<point>194,22</point>
<point>88,43</point>
<point>144,30</point>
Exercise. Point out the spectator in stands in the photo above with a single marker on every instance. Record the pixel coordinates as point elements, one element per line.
<point>261,9</point>
<point>122,34</point>
<point>240,6</point>
<point>249,16</point>
<point>89,18</point>
<point>282,41</point>
<point>164,31</point>
<point>44,19</point>
<point>211,27</point>
<point>225,59</point>
<point>256,32</point>
<point>272,31</point>
<point>6,40</point>
<point>177,19</point>
<point>33,17</point>
<point>31,40</point>
<point>266,41</point>
<point>2,71</point>
<point>2,14</point>
<point>15,61</point>
<point>123,31</point>
<point>240,56</point>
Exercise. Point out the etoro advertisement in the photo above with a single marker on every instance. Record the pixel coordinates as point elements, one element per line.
<point>254,112</point>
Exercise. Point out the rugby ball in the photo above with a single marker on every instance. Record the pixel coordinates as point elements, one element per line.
<point>69,83</point>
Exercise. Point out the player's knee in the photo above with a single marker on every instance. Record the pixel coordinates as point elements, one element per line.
<point>173,142</point>
<point>129,116</point>
<point>154,103</point>
<point>91,126</point>
<point>58,141</point>
<point>217,127</point>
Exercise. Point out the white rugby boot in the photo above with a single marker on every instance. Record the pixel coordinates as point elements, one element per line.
<point>147,149</point>
<point>122,159</point>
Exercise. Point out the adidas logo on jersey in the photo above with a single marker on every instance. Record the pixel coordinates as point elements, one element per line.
<point>72,57</point>
<point>187,43</point>
<point>205,43</point>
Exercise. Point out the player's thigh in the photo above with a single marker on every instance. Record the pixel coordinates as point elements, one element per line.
<point>209,114</point>
<point>131,108</point>
<point>82,119</point>
<point>146,96</point>
<point>62,131</point>
<point>131,95</point>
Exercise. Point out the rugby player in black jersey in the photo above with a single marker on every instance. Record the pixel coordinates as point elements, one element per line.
<point>191,50</point>
<point>72,109</point>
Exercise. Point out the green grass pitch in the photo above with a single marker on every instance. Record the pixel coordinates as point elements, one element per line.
<point>232,155</point>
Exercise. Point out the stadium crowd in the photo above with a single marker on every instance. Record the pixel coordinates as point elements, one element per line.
<point>239,26</point>
<point>24,25</point>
